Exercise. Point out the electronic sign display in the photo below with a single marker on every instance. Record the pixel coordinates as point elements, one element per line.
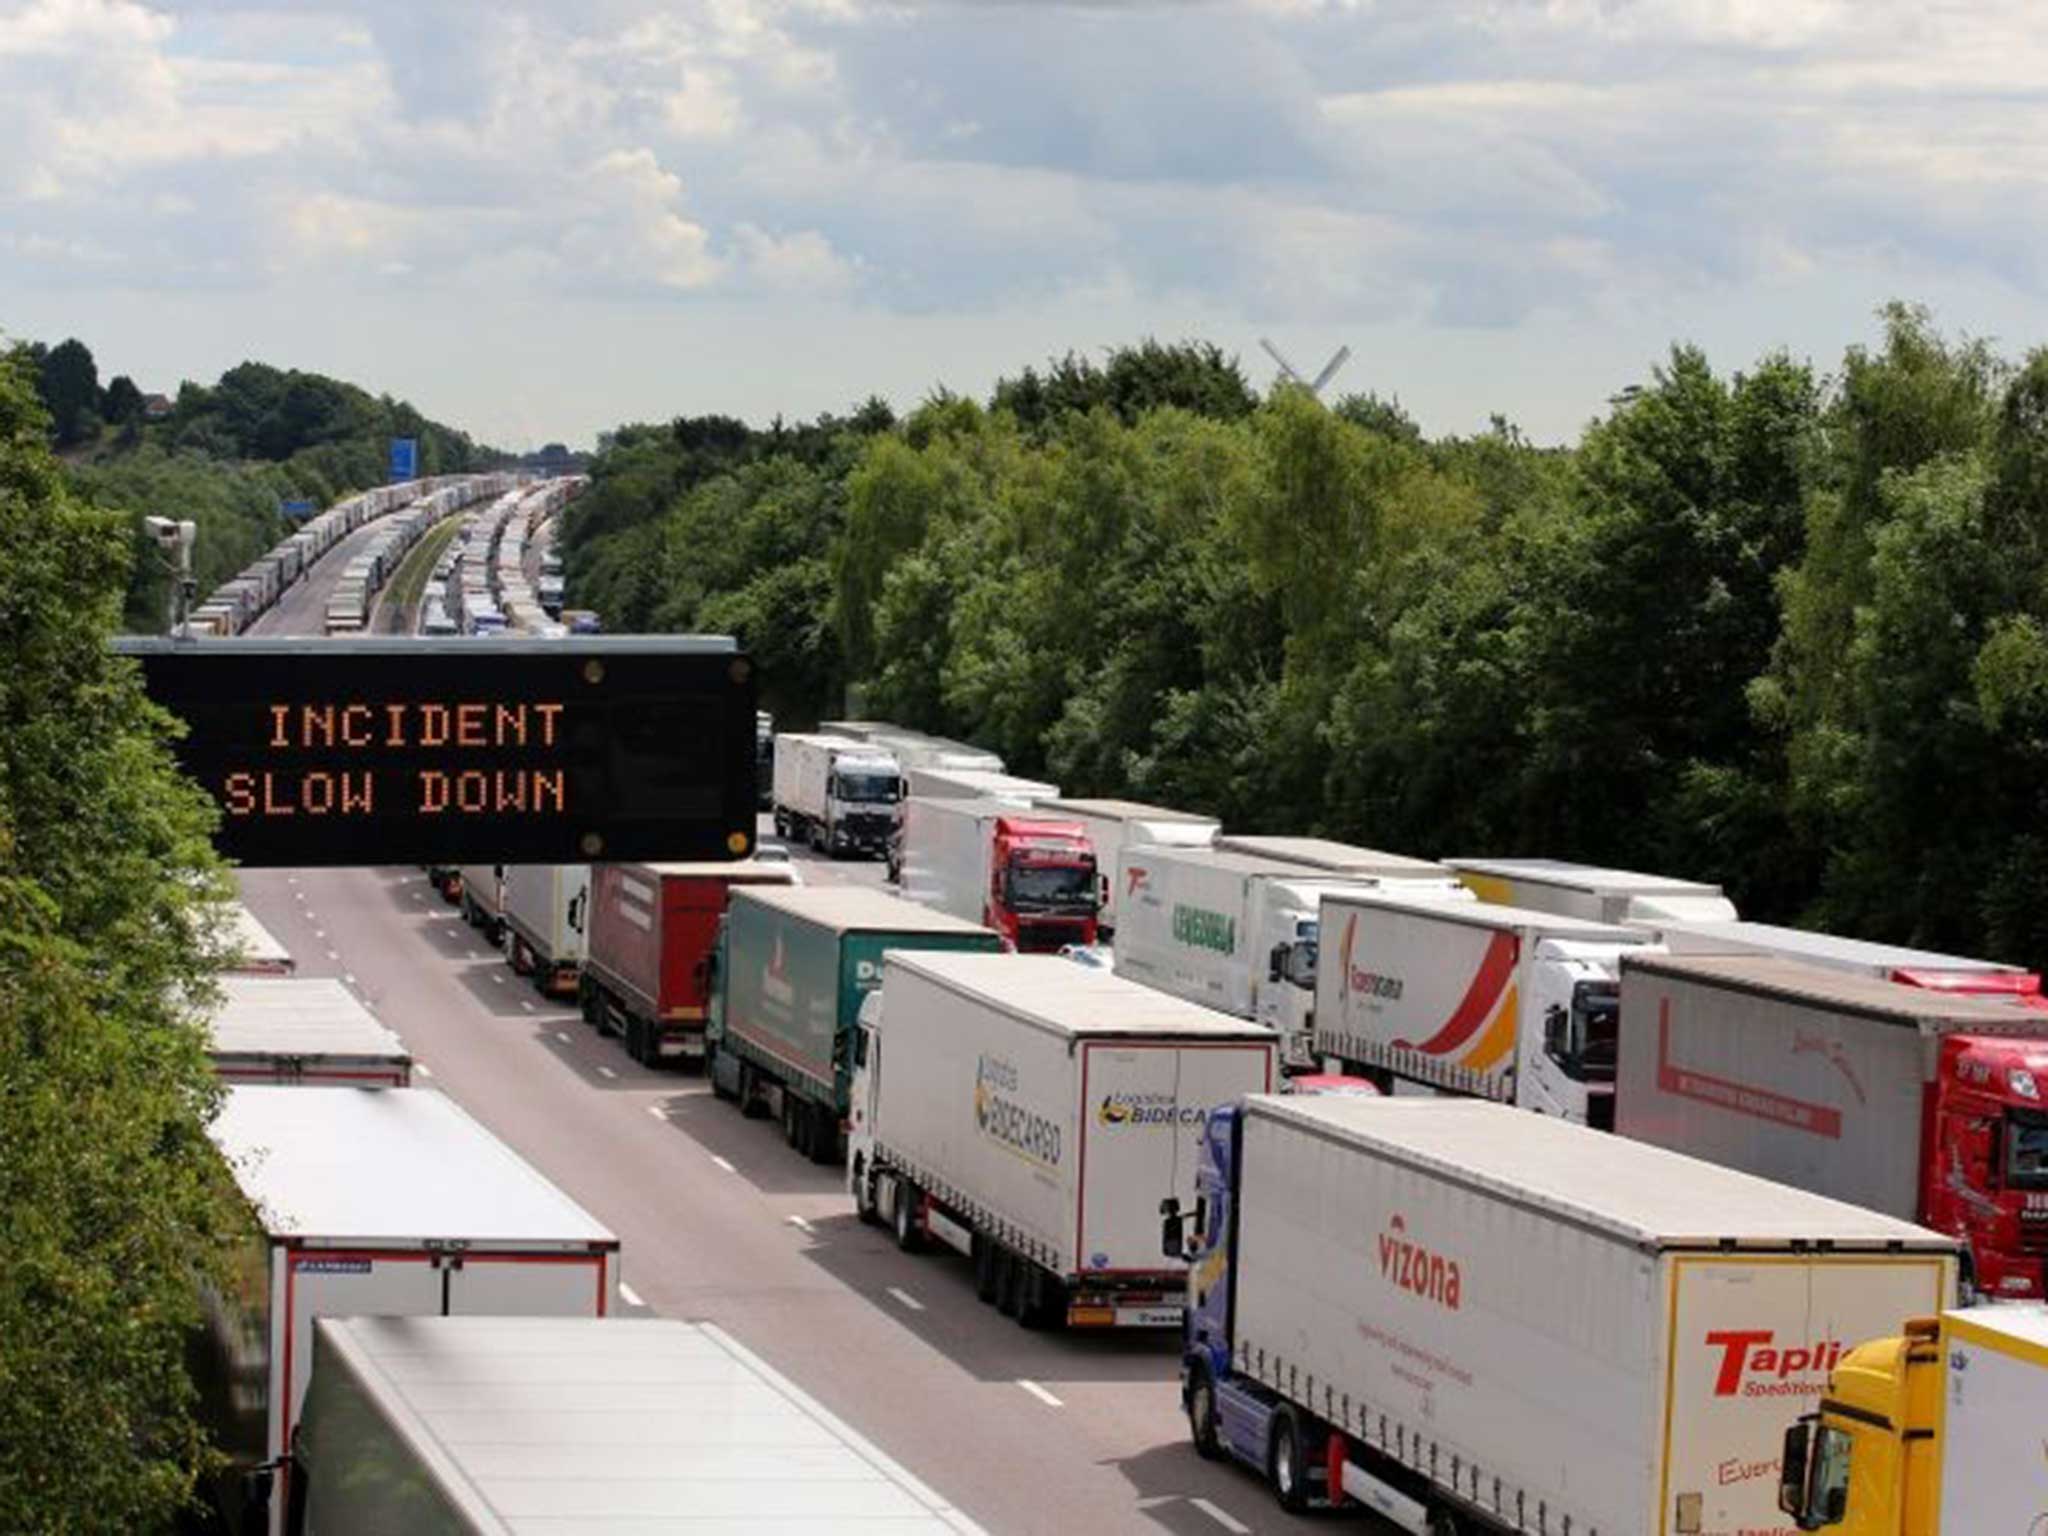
<point>393,751</point>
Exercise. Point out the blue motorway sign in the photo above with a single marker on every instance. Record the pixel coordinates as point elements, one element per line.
<point>405,458</point>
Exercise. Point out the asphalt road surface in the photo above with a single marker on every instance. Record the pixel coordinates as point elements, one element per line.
<point>1024,1432</point>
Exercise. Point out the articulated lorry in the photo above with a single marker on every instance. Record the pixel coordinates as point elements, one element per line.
<point>791,968</point>
<point>367,1202</point>
<point>839,796</point>
<point>1921,1104</point>
<point>653,927</point>
<point>1587,890</point>
<point>544,909</point>
<point>1936,1431</point>
<point>1471,998</point>
<point>1470,1319</point>
<point>493,1426</point>
<point>1029,876</point>
<point>1114,825</point>
<point>483,898</point>
<point>301,1031</point>
<point>948,783</point>
<point>914,749</point>
<point>1241,933</point>
<point>1330,858</point>
<point>254,949</point>
<point>1927,968</point>
<point>1031,1115</point>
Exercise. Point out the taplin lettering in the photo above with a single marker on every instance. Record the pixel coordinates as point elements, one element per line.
<point>1420,1271</point>
<point>1202,929</point>
<point>1755,1364</point>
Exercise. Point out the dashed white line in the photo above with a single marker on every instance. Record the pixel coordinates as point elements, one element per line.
<point>334,954</point>
<point>724,1163</point>
<point>348,979</point>
<point>1040,1393</point>
<point>497,978</point>
<point>423,1069</point>
<point>798,1222</point>
<point>607,1071</point>
<point>526,1005</point>
<point>562,1035</point>
<point>907,1299</point>
<point>653,1109</point>
<point>1222,1517</point>
<point>319,933</point>
<point>631,1298</point>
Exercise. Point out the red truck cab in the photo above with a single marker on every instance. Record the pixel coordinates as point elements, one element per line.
<point>1042,886</point>
<point>1987,1181</point>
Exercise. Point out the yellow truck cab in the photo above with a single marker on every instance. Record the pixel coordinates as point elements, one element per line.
<point>1942,1431</point>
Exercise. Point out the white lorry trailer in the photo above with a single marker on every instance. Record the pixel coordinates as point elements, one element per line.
<point>1031,1114</point>
<point>302,1031</point>
<point>1332,858</point>
<point>483,899</point>
<point>1114,825</point>
<point>914,749</point>
<point>493,1426</point>
<point>1474,1320</point>
<point>949,783</point>
<point>1472,998</point>
<point>256,951</point>
<point>1241,933</point>
<point>546,907</point>
<point>369,1201</point>
<point>1857,957</point>
<point>1599,895</point>
<point>838,795</point>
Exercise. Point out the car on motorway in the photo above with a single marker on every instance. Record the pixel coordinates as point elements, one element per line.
<point>778,853</point>
<point>1341,1084</point>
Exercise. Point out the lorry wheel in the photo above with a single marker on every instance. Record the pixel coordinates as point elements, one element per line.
<point>719,1087</point>
<point>863,1192</point>
<point>636,1038</point>
<point>590,1000</point>
<point>792,1127</point>
<point>1290,1478</point>
<point>1443,1523</point>
<point>750,1093</point>
<point>824,1137</point>
<point>1202,1415</point>
<point>985,1251</point>
<point>1009,1284</point>
<point>905,1222</point>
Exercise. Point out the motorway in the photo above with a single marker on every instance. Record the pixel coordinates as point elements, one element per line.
<point>1024,1432</point>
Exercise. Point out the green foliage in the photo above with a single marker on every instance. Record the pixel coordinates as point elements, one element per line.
<point>109,893</point>
<point>69,383</point>
<point>1784,632</point>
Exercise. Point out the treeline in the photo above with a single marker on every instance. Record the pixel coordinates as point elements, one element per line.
<point>225,456</point>
<point>1783,629</point>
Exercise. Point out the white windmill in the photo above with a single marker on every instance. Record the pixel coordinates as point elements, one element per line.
<point>1287,370</point>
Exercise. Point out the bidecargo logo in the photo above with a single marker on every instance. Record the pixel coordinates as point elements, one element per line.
<point>1754,1364</point>
<point>1202,929</point>
<point>1416,1269</point>
<point>1147,1109</point>
<point>1002,1119</point>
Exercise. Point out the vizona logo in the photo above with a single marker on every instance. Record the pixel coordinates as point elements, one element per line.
<point>1414,1268</point>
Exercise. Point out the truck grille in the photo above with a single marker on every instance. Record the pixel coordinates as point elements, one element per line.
<point>2034,1236</point>
<point>1046,938</point>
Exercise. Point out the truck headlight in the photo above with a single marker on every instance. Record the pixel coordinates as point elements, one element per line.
<point>2023,1084</point>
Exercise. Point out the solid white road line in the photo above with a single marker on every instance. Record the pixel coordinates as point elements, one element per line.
<point>907,1299</point>
<point>798,1222</point>
<point>1040,1393</point>
<point>723,1163</point>
<point>1222,1517</point>
<point>607,1071</point>
<point>631,1298</point>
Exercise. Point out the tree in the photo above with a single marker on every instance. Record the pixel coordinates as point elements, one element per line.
<point>123,400</point>
<point>69,382</point>
<point>109,898</point>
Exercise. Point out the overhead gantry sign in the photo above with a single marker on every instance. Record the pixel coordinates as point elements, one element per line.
<point>390,751</point>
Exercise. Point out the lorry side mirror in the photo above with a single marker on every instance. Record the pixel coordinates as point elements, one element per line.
<point>1172,1229</point>
<point>1792,1471</point>
<point>1276,962</point>
<point>1554,1027</point>
<point>860,1049</point>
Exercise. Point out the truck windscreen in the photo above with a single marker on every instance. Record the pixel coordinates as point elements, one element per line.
<point>2026,1158</point>
<point>867,788</point>
<point>1052,888</point>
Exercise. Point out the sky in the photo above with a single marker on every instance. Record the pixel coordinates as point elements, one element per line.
<point>537,219</point>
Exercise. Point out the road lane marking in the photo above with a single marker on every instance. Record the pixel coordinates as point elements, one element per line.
<point>631,1298</point>
<point>334,954</point>
<point>907,1299</point>
<point>497,978</point>
<point>562,1035</point>
<point>798,1222</point>
<point>1222,1517</point>
<point>653,1109</point>
<point>423,1069</point>
<point>724,1163</point>
<point>526,1005</point>
<point>1040,1393</point>
<point>607,1071</point>
<point>348,979</point>
<point>319,933</point>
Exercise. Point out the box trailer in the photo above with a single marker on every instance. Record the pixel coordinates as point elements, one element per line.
<point>1241,933</point>
<point>1595,893</point>
<point>545,907</point>
<point>1471,1319</point>
<point>1031,1115</point>
<point>653,927</point>
<point>253,949</point>
<point>370,1201</point>
<point>1332,858</point>
<point>1861,957</point>
<point>1921,1104</point>
<point>483,898</point>
<point>949,783</point>
<point>839,796</point>
<point>1114,825</point>
<point>1934,1432</point>
<point>791,968</point>
<point>478,1426</point>
<point>1028,875</point>
<point>914,749</point>
<point>301,1031</point>
<point>1472,998</point>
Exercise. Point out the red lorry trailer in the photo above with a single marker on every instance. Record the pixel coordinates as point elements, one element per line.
<point>646,974</point>
<point>1921,1104</point>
